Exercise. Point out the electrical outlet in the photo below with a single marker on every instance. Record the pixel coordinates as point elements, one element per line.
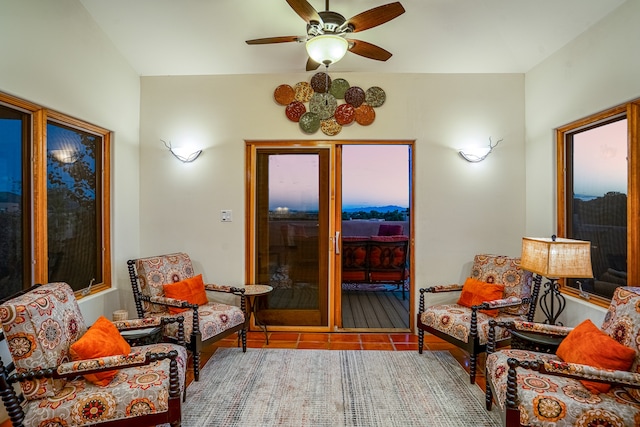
<point>226,215</point>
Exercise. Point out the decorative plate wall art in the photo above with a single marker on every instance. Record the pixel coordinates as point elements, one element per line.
<point>328,105</point>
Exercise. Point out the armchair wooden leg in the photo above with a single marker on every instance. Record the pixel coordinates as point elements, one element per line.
<point>488,397</point>
<point>472,367</point>
<point>420,340</point>
<point>196,365</point>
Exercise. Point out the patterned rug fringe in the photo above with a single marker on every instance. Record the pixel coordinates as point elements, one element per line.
<point>282,387</point>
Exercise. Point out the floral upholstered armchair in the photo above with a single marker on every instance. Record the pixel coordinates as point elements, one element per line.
<point>496,289</point>
<point>69,374</point>
<point>165,285</point>
<point>592,380</point>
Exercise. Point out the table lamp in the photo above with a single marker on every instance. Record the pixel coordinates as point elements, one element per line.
<point>555,258</point>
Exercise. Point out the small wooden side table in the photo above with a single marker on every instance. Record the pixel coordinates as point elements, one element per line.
<point>532,341</point>
<point>252,292</point>
<point>146,336</point>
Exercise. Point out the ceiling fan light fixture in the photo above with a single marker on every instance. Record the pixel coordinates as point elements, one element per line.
<point>327,48</point>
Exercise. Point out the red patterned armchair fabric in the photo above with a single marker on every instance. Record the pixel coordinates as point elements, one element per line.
<point>468,328</point>
<point>39,327</point>
<point>543,396</point>
<point>202,324</point>
<point>505,271</point>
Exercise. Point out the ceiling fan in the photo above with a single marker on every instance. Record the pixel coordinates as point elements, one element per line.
<point>329,23</point>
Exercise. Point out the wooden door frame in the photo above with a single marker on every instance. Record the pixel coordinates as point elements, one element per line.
<point>335,221</point>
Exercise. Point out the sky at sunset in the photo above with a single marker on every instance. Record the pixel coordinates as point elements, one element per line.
<point>600,160</point>
<point>373,175</point>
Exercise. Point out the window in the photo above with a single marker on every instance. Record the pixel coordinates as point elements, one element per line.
<point>54,199</point>
<point>598,194</point>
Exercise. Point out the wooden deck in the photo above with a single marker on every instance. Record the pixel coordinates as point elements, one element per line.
<point>360,309</point>
<point>377,310</point>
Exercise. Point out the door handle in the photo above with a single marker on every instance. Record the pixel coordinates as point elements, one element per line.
<point>337,243</point>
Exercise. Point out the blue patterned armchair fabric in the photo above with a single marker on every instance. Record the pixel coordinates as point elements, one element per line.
<point>202,324</point>
<point>538,389</point>
<point>39,327</point>
<point>467,327</point>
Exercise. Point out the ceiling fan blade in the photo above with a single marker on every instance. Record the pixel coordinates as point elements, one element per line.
<point>368,50</point>
<point>282,39</point>
<point>374,17</point>
<point>312,65</point>
<point>305,10</point>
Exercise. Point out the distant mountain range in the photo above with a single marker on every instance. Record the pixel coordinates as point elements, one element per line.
<point>388,208</point>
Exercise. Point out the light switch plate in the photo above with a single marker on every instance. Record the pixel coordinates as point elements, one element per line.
<point>226,215</point>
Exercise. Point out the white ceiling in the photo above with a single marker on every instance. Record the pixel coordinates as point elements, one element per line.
<point>199,37</point>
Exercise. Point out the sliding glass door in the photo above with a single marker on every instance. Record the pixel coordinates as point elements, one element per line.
<point>306,202</point>
<point>291,235</point>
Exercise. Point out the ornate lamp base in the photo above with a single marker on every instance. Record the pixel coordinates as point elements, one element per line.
<point>552,302</point>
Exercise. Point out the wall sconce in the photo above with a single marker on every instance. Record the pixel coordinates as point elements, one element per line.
<point>184,158</point>
<point>66,155</point>
<point>478,154</point>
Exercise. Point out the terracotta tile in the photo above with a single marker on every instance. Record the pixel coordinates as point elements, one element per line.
<point>313,337</point>
<point>403,338</point>
<point>283,336</point>
<point>428,338</point>
<point>312,345</point>
<point>400,346</point>
<point>253,335</point>
<point>344,346</point>
<point>338,338</point>
<point>374,338</point>
<point>377,346</point>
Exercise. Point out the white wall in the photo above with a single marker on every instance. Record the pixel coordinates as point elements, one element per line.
<point>597,70</point>
<point>461,208</point>
<point>54,55</point>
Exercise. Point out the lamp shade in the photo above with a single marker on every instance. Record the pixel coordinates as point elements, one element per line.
<point>556,257</point>
<point>327,48</point>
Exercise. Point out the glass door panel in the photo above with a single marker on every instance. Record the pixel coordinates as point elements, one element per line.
<point>292,188</point>
<point>375,232</point>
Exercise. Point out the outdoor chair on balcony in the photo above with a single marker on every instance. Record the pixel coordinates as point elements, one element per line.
<point>593,379</point>
<point>376,259</point>
<point>165,285</point>
<point>69,374</point>
<point>496,289</point>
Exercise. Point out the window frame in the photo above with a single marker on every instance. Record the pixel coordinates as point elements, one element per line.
<point>632,112</point>
<point>37,209</point>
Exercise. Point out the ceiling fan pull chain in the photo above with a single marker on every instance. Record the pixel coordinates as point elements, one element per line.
<point>326,74</point>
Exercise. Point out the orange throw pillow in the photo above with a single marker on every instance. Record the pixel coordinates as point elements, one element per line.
<point>588,345</point>
<point>102,339</point>
<point>475,292</point>
<point>190,290</point>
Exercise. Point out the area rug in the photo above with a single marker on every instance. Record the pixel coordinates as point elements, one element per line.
<point>330,388</point>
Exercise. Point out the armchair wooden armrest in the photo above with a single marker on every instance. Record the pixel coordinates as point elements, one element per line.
<point>89,366</point>
<point>224,288</point>
<point>169,302</point>
<point>501,303</point>
<point>591,373</point>
<point>542,328</point>
<point>442,288</point>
